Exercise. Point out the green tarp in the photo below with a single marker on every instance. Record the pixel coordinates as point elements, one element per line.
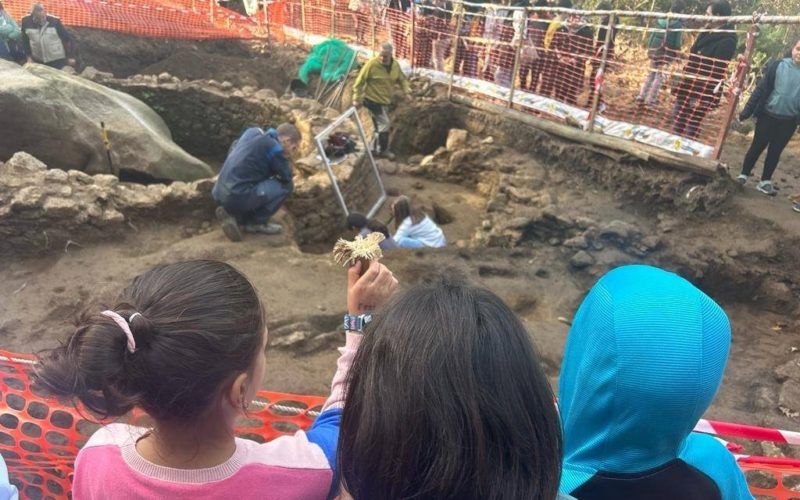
<point>338,56</point>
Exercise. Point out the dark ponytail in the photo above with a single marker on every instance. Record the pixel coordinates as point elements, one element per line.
<point>199,323</point>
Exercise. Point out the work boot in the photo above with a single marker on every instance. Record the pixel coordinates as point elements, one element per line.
<point>268,228</point>
<point>767,188</point>
<point>383,140</point>
<point>229,225</point>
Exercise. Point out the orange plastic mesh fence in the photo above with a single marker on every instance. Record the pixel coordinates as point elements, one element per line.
<point>772,482</point>
<point>40,437</point>
<point>192,19</point>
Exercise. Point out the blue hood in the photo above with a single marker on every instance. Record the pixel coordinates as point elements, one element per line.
<point>643,361</point>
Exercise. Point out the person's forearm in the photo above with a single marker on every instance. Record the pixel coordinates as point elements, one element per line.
<point>347,353</point>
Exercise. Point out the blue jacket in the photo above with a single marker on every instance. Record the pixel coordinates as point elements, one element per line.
<point>255,157</point>
<point>643,361</point>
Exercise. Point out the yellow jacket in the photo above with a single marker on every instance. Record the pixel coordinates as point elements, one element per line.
<point>555,24</point>
<point>376,84</point>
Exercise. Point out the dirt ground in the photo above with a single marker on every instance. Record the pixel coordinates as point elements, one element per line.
<point>730,253</point>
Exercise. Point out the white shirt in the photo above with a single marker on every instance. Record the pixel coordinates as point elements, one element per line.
<point>425,231</point>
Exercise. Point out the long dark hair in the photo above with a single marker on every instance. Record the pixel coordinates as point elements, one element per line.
<point>404,207</point>
<point>791,46</point>
<point>200,323</point>
<point>446,399</point>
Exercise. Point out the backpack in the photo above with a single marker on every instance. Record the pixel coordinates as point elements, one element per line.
<point>661,41</point>
<point>339,145</point>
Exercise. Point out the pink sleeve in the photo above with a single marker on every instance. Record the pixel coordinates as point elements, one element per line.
<point>348,352</point>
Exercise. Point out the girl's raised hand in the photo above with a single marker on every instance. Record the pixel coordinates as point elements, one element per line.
<point>366,293</point>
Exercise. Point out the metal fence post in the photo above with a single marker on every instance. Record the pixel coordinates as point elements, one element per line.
<point>266,20</point>
<point>374,27</point>
<point>333,18</point>
<point>517,55</point>
<point>747,58</point>
<point>303,18</point>
<point>612,21</point>
<point>412,36</point>
<point>456,45</point>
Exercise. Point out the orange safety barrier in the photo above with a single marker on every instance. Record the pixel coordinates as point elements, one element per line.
<point>180,19</point>
<point>40,437</point>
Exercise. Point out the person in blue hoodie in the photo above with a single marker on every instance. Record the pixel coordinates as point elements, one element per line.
<point>255,180</point>
<point>643,361</point>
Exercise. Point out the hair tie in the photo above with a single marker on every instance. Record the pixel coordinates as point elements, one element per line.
<point>120,321</point>
<point>130,320</point>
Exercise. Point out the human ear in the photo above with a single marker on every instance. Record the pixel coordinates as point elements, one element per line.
<point>237,392</point>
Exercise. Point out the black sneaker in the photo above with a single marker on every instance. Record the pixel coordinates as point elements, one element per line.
<point>229,225</point>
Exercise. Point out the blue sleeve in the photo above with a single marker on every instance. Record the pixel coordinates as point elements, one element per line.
<point>709,456</point>
<point>324,432</point>
<point>280,167</point>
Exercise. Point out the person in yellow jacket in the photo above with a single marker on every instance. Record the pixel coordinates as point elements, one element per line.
<point>373,89</point>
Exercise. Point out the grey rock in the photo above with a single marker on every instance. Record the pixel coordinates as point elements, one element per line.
<point>581,260</point>
<point>456,139</point>
<point>56,105</point>
<point>578,242</point>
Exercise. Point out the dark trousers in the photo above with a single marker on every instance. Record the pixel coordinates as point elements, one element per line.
<point>773,133</point>
<point>257,205</point>
<point>689,113</point>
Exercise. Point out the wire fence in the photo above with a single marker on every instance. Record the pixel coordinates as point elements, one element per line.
<point>671,81</point>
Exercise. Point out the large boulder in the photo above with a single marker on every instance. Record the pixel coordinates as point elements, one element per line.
<point>56,117</point>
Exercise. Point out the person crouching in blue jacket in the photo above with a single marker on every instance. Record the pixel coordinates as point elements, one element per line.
<point>643,361</point>
<point>255,180</point>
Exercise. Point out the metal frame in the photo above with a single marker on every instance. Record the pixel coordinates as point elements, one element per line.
<point>321,149</point>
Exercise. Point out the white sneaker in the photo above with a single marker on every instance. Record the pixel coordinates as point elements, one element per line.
<point>767,188</point>
<point>742,179</point>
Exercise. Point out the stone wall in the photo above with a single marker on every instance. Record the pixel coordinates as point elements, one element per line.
<point>42,210</point>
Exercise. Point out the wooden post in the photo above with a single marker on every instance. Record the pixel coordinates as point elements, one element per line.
<point>517,56</point>
<point>412,36</point>
<point>752,34</point>
<point>612,20</point>
<point>456,43</point>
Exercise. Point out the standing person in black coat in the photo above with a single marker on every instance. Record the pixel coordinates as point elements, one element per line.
<point>776,105</point>
<point>701,88</point>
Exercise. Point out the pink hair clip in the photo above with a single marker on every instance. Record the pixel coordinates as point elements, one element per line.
<point>120,321</point>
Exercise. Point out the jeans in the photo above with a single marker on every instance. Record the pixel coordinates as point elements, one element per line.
<point>257,205</point>
<point>406,242</point>
<point>652,85</point>
<point>771,132</point>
